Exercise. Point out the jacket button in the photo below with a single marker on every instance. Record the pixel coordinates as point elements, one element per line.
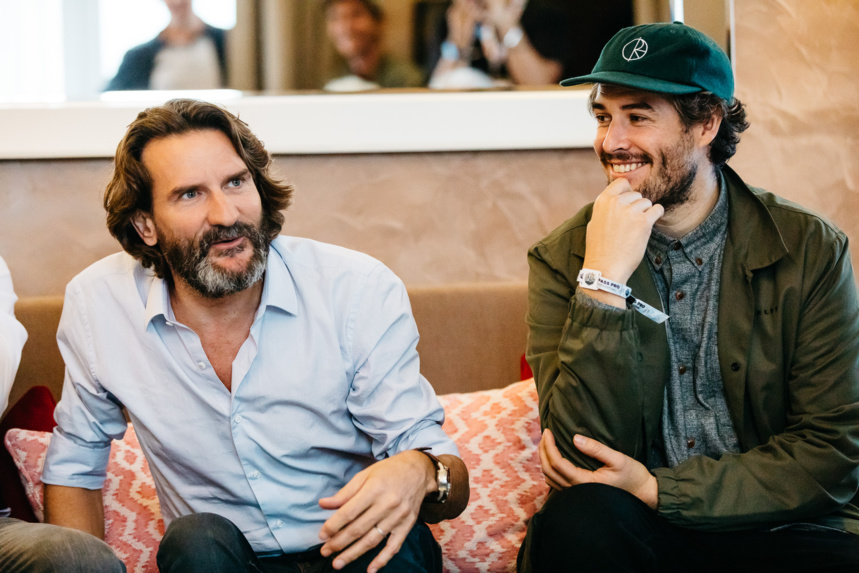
<point>690,443</point>
<point>677,246</point>
<point>680,295</point>
<point>735,366</point>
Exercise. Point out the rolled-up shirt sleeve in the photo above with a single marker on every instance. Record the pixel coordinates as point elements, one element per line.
<point>88,417</point>
<point>12,336</point>
<point>389,399</point>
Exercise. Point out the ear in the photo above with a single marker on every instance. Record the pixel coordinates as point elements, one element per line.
<point>145,227</point>
<point>708,130</point>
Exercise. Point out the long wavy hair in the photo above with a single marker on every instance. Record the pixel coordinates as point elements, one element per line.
<point>130,190</point>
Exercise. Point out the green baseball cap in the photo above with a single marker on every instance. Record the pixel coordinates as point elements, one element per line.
<point>665,58</point>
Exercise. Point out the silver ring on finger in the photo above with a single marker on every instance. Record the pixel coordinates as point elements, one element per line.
<point>381,532</point>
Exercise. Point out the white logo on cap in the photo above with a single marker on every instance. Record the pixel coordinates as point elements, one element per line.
<point>634,50</point>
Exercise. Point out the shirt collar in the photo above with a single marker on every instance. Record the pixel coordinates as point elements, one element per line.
<point>699,244</point>
<point>157,302</point>
<point>279,288</point>
<point>278,291</point>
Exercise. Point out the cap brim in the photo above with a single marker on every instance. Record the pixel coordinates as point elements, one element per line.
<point>632,81</point>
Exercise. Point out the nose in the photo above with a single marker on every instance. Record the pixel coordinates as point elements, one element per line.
<point>222,211</point>
<point>615,137</point>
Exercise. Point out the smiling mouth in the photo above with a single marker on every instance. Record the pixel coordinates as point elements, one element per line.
<point>625,167</point>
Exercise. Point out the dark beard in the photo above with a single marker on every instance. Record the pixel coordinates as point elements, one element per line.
<point>672,186</point>
<point>192,262</point>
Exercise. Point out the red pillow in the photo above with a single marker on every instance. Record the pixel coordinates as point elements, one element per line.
<point>34,411</point>
<point>524,369</point>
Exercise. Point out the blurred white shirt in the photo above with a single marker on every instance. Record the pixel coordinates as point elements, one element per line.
<point>191,67</point>
<point>12,336</point>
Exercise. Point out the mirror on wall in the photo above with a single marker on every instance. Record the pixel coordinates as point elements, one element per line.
<point>71,50</point>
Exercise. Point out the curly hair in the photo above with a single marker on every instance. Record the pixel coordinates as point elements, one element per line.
<point>130,190</point>
<point>700,106</point>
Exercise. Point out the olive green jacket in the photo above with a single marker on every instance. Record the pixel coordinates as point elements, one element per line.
<point>788,337</point>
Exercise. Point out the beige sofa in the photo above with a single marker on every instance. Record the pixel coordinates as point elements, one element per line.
<point>472,338</point>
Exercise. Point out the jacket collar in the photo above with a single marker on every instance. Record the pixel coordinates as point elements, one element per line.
<point>754,235</point>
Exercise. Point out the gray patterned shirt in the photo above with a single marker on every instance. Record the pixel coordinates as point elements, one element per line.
<point>695,415</point>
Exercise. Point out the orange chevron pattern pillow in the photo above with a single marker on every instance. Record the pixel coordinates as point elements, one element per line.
<point>133,524</point>
<point>497,432</point>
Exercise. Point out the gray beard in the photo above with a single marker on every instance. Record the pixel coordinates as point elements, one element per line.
<point>193,263</point>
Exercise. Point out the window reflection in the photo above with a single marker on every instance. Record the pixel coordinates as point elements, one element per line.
<point>71,49</point>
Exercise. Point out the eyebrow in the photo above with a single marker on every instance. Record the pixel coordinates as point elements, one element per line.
<point>635,105</point>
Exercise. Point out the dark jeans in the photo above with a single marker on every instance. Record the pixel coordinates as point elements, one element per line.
<point>593,527</point>
<point>209,543</point>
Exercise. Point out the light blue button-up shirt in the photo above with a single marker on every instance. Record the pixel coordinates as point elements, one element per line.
<point>327,383</point>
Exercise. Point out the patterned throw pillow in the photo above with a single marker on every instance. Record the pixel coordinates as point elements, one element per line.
<point>497,432</point>
<point>133,524</point>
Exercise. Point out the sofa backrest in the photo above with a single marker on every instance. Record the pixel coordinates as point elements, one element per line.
<point>41,362</point>
<point>472,337</point>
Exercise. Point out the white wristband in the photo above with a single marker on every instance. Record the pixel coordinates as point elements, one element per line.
<point>593,280</point>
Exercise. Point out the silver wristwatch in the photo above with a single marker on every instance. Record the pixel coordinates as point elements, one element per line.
<point>442,478</point>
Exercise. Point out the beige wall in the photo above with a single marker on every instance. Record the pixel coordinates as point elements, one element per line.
<point>433,218</point>
<point>460,217</point>
<point>798,73</point>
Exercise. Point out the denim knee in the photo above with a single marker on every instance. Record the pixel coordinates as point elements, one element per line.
<point>43,548</point>
<point>597,527</point>
<point>589,513</point>
<point>204,542</point>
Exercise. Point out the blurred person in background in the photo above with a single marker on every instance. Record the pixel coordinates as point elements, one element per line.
<point>187,54</point>
<point>356,29</point>
<point>536,42</point>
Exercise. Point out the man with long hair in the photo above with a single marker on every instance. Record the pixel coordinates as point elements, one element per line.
<point>695,343</point>
<point>273,381</point>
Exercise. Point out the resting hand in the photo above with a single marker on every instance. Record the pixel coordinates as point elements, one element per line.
<point>618,470</point>
<point>387,496</point>
<point>618,231</point>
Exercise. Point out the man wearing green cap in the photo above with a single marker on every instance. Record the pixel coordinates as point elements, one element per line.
<point>695,343</point>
